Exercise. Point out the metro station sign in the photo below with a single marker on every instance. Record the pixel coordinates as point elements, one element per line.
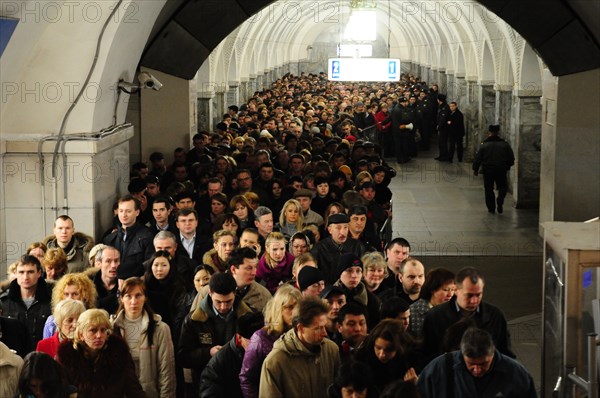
<point>364,69</point>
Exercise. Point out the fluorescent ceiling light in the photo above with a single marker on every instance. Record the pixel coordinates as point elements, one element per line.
<point>361,26</point>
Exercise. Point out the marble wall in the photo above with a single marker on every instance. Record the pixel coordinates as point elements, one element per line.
<point>96,173</point>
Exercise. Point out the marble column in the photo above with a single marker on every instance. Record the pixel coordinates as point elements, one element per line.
<point>243,91</point>
<point>260,81</point>
<point>526,123</point>
<point>442,81</point>
<point>233,94</point>
<point>252,86</point>
<point>451,90</point>
<point>84,185</point>
<point>460,90</point>
<point>469,106</point>
<point>295,68</point>
<point>220,105</point>
<point>435,78</point>
<point>405,67</point>
<point>205,110</point>
<point>503,110</point>
<point>486,107</point>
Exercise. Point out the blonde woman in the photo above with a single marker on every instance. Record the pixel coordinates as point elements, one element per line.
<point>65,314</point>
<point>361,178</point>
<point>374,271</point>
<point>97,362</point>
<point>71,286</point>
<point>278,320</point>
<point>275,267</point>
<point>291,218</point>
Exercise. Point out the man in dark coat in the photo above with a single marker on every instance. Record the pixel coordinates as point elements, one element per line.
<point>211,325</point>
<point>466,304</point>
<point>456,132</point>
<point>495,157</point>
<point>403,119</point>
<point>220,377</point>
<point>28,298</point>
<point>328,251</point>
<point>130,238</point>
<point>477,370</point>
<point>443,113</point>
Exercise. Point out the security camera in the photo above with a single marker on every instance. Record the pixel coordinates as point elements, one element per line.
<point>148,81</point>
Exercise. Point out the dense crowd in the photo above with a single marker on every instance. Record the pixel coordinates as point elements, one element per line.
<point>260,264</point>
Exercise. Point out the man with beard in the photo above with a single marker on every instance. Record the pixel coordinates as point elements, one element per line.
<point>411,277</point>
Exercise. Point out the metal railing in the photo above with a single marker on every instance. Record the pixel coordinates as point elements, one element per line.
<point>590,386</point>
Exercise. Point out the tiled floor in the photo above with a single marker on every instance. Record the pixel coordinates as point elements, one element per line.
<point>439,208</point>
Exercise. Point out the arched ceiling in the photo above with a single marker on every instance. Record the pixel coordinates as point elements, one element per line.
<point>564,33</point>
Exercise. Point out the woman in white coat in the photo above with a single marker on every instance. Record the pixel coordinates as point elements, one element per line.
<point>149,340</point>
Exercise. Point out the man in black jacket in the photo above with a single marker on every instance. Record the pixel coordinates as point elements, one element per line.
<point>28,298</point>
<point>466,304</point>
<point>328,251</point>
<point>403,119</point>
<point>456,132</point>
<point>220,377</point>
<point>443,113</point>
<point>495,157</point>
<point>131,239</point>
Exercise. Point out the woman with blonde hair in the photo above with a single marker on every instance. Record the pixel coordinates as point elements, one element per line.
<point>71,286</point>
<point>303,260</point>
<point>148,338</point>
<point>291,218</point>
<point>361,178</point>
<point>278,320</point>
<point>97,362</point>
<point>374,271</point>
<point>253,200</point>
<point>55,264</point>
<point>65,315</point>
<point>275,266</point>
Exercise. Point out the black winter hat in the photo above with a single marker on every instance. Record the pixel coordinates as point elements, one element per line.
<point>347,260</point>
<point>309,275</point>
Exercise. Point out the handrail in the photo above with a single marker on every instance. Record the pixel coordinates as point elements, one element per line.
<point>590,386</point>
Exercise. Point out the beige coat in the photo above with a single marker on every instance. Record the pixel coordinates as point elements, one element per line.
<point>256,297</point>
<point>157,363</point>
<point>293,371</point>
<point>10,368</point>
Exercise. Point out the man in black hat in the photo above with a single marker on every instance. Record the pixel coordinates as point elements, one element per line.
<point>443,113</point>
<point>403,119</point>
<point>349,272</point>
<point>495,157</point>
<point>336,299</point>
<point>327,251</point>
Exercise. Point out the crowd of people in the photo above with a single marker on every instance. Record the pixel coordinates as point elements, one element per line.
<point>255,265</point>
